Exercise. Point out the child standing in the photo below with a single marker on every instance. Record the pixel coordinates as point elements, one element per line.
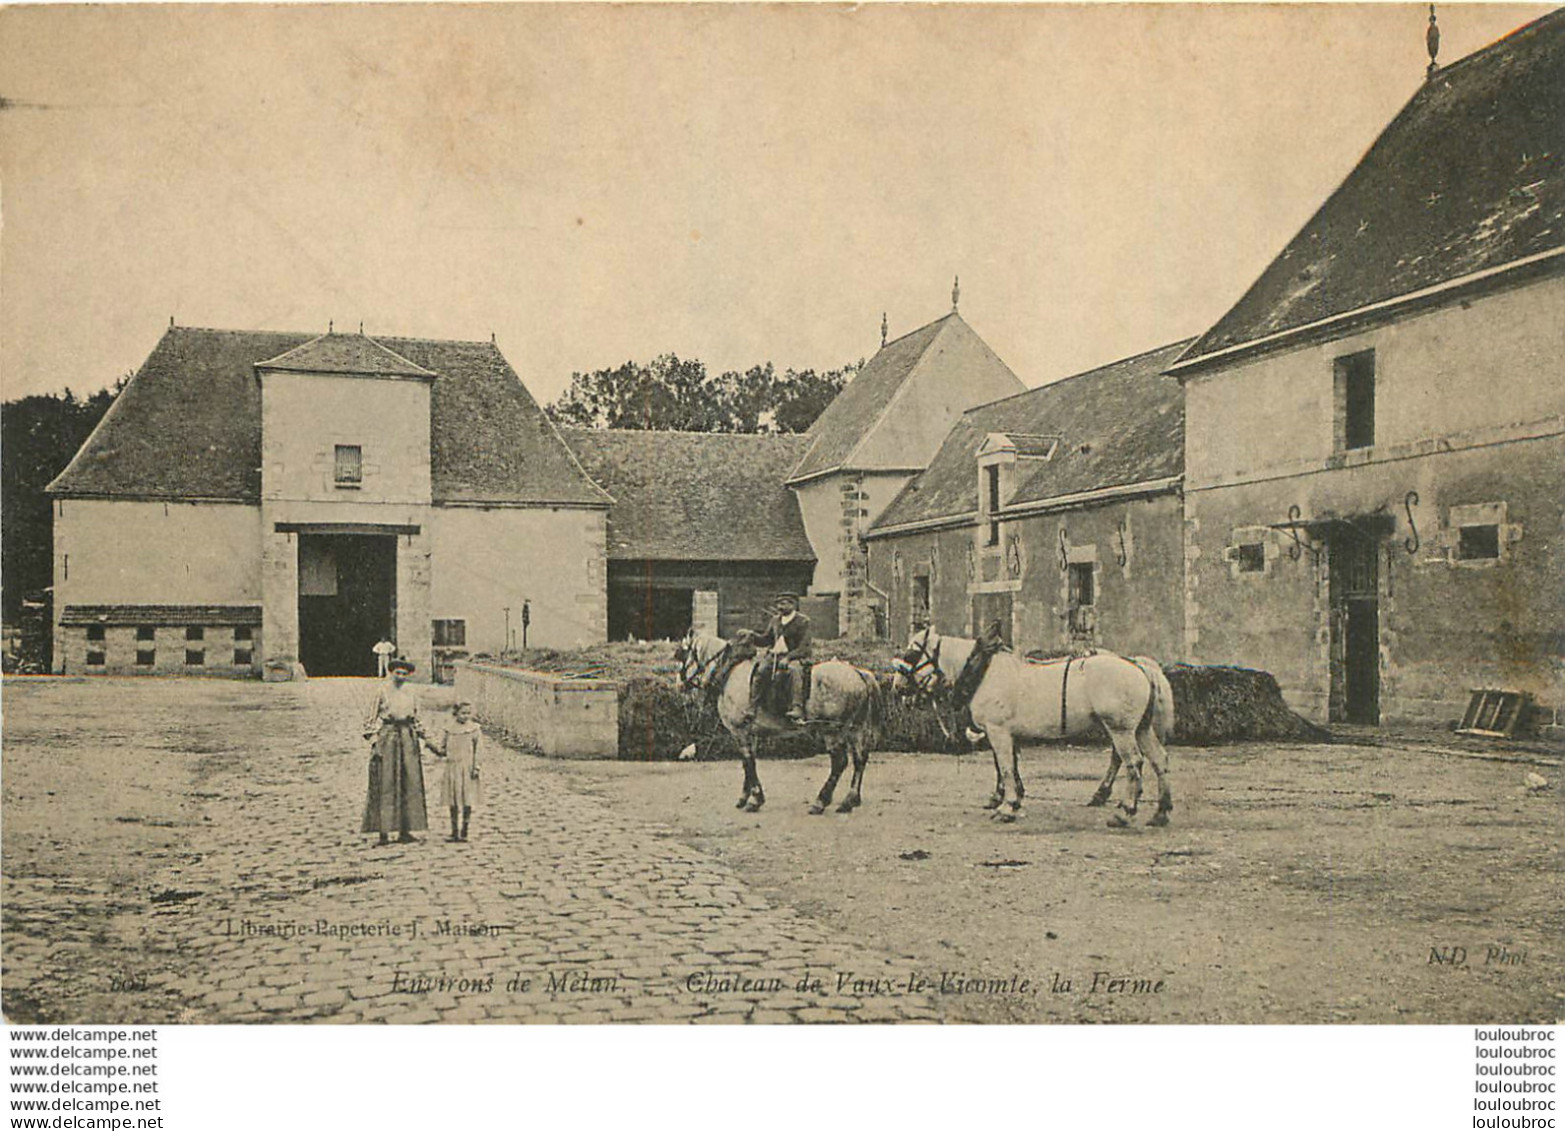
<point>460,783</point>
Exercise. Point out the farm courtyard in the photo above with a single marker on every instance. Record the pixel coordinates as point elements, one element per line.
<point>188,850</point>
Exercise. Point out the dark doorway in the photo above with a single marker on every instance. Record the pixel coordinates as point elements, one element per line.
<point>347,601</point>
<point>1354,563</point>
<point>990,609</point>
<point>646,612</point>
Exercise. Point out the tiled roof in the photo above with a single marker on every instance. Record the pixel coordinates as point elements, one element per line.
<point>845,435</point>
<point>204,615</point>
<point>188,425</point>
<point>1469,177</point>
<point>1118,425</point>
<point>345,353</point>
<point>696,496</point>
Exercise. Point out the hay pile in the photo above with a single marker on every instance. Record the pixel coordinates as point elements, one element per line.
<point>1214,705</point>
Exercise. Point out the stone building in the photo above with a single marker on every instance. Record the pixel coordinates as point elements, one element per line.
<point>702,530</point>
<point>1375,433</point>
<point>879,432</point>
<point>255,496</point>
<point>1055,512</point>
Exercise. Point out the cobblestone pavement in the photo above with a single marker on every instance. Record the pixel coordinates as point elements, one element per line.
<point>266,904</point>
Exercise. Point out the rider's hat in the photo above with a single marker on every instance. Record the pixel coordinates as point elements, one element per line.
<point>786,595</point>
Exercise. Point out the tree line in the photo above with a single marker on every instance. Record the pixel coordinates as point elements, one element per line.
<point>671,393</point>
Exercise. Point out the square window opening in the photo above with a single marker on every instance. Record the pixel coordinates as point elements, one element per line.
<point>146,657</point>
<point>194,658</point>
<point>242,657</point>
<point>243,632</point>
<point>349,465</point>
<point>195,632</point>
<point>451,633</point>
<point>95,659</point>
<point>1252,558</point>
<point>146,632</point>
<point>1478,543</point>
<point>96,632</point>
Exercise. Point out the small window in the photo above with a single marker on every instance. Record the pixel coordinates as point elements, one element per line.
<point>146,632</point>
<point>242,657</point>
<point>194,657</point>
<point>992,496</point>
<point>146,657</point>
<point>1355,376</point>
<point>920,609</point>
<point>450,634</point>
<point>1251,557</point>
<point>349,467</point>
<point>243,632</point>
<point>195,632</point>
<point>94,659</point>
<point>1081,584</point>
<point>1477,543</point>
<point>95,632</point>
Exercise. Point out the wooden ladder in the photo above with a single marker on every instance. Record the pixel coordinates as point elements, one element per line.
<point>1494,713</point>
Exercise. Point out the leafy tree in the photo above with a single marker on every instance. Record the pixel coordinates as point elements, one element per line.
<point>670,393</point>
<point>38,436</point>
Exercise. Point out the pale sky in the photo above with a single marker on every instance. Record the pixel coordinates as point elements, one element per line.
<point>737,184</point>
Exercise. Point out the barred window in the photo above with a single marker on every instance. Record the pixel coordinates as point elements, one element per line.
<point>451,633</point>
<point>349,465</point>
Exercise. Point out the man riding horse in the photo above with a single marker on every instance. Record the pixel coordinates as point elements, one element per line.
<point>786,639</point>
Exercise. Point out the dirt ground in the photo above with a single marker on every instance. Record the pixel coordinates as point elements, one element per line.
<point>1301,884</point>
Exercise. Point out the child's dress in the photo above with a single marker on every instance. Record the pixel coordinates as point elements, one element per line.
<point>460,787</point>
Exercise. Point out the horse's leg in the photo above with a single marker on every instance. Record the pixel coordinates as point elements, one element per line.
<point>1004,744</point>
<point>839,762</point>
<point>1157,755</point>
<point>1129,754</point>
<point>1106,786</point>
<point>859,745</point>
<point>749,773</point>
<point>998,796</point>
<point>757,794</point>
<point>1016,772</point>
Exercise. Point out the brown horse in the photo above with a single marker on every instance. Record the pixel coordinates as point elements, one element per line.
<point>1056,700</point>
<point>845,705</point>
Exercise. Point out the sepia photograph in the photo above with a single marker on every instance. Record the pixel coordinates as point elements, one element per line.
<point>762,514</point>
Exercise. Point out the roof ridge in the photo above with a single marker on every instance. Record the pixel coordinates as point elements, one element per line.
<point>311,335</point>
<point>680,432</point>
<point>1182,344</point>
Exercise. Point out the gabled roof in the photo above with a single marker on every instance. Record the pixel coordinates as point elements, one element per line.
<point>1119,425</point>
<point>188,426</point>
<point>696,496</point>
<point>345,353</point>
<point>1468,178</point>
<point>875,424</point>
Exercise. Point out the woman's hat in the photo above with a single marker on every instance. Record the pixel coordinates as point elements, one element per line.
<point>401,664</point>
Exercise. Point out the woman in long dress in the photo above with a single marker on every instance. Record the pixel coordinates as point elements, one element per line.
<point>396,778</point>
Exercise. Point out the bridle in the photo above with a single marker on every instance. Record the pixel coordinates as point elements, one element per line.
<point>694,671</point>
<point>920,665</point>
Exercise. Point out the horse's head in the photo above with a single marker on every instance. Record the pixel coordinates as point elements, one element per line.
<point>686,643</point>
<point>917,669</point>
<point>696,655</point>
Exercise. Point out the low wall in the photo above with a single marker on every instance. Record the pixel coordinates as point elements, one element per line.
<point>567,718</point>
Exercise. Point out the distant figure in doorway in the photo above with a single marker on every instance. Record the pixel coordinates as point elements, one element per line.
<point>396,778</point>
<point>459,784</point>
<point>383,653</point>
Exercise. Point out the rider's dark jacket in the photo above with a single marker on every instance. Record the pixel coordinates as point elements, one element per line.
<point>795,635</point>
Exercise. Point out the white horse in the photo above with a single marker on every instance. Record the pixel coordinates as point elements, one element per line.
<point>1055,700</point>
<point>845,704</point>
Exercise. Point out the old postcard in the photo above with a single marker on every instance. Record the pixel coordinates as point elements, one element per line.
<point>783,514</point>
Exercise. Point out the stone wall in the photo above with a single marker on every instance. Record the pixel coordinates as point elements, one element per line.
<point>568,718</point>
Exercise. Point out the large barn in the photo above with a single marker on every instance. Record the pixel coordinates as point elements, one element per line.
<point>255,496</point>
<point>1375,453</point>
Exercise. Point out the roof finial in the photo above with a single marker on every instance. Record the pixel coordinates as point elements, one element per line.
<point>361,325</point>
<point>883,328</point>
<point>170,321</point>
<point>492,339</point>
<point>956,290</point>
<point>1432,41</point>
<point>329,325</point>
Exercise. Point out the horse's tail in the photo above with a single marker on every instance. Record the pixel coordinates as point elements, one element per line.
<point>1161,705</point>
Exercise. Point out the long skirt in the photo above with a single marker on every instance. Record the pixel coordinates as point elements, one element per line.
<point>395,803</point>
